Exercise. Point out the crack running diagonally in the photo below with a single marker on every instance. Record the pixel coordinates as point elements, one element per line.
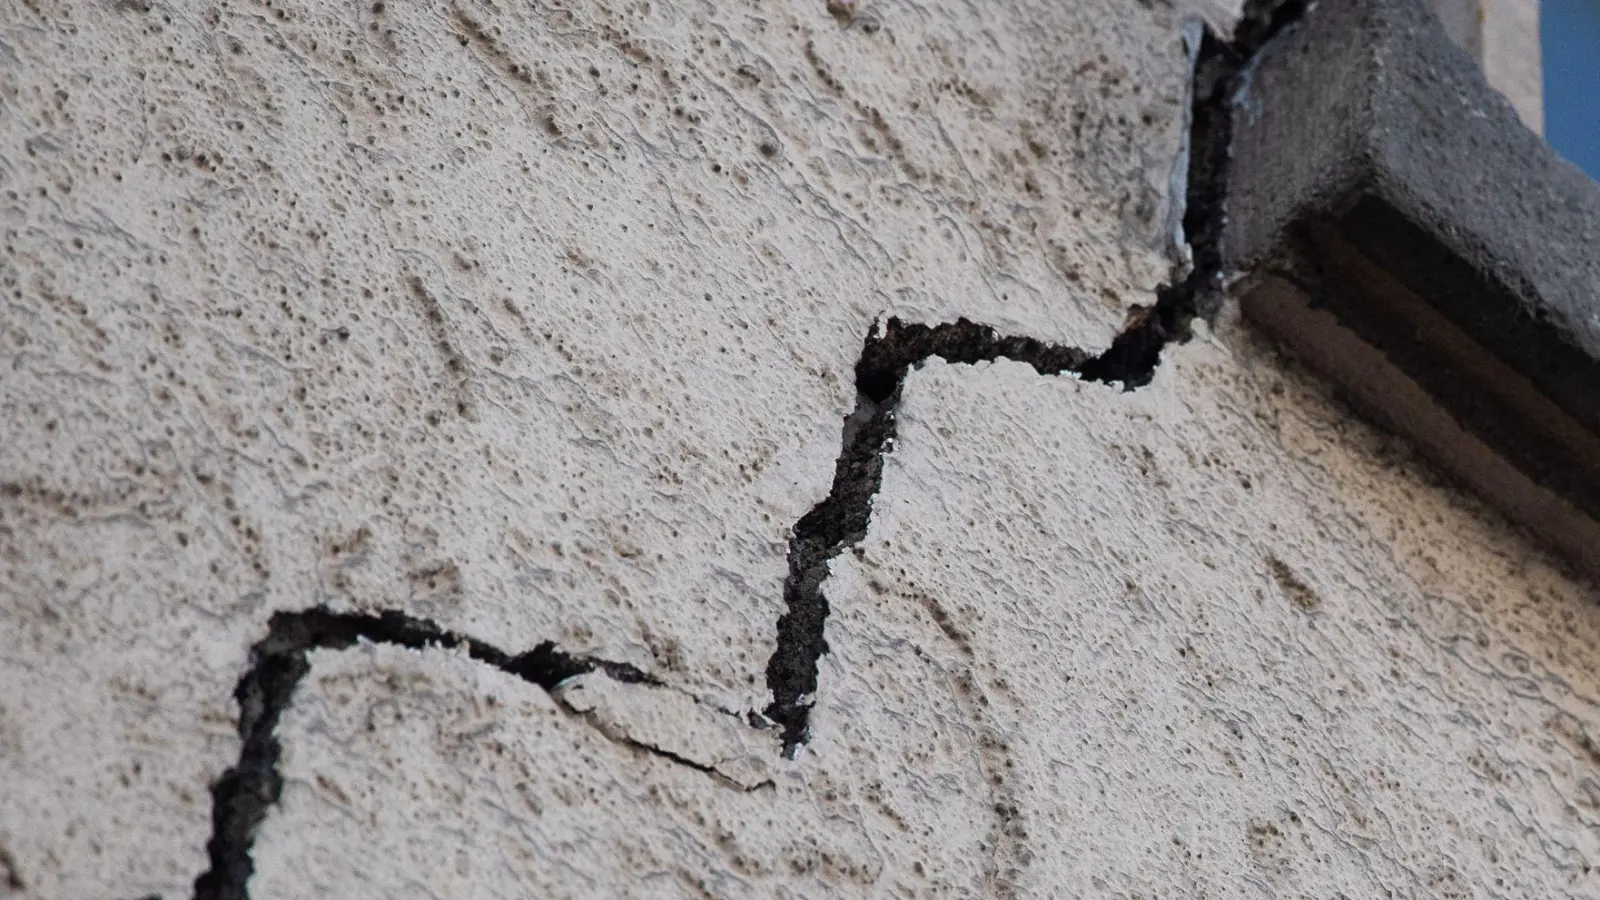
<point>840,520</point>
<point>892,350</point>
<point>245,792</point>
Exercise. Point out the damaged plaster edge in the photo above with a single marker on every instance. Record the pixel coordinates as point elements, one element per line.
<point>1193,32</point>
<point>280,661</point>
<point>668,722</point>
<point>1379,176</point>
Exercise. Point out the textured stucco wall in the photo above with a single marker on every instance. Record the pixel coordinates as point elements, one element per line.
<point>538,323</point>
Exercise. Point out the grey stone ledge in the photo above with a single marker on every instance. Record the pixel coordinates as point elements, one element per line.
<point>1394,224</point>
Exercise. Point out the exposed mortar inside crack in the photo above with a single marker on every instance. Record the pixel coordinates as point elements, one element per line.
<point>244,793</point>
<point>889,353</point>
<point>241,797</point>
<point>841,519</point>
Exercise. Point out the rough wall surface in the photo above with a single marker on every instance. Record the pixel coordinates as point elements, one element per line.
<point>538,325</point>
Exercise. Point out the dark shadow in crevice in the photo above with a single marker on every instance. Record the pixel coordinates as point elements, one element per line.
<point>244,793</point>
<point>242,796</point>
<point>895,348</point>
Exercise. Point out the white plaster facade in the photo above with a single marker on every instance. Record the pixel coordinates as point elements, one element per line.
<point>1503,36</point>
<point>538,322</point>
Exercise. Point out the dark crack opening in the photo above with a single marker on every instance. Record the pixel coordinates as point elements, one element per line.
<point>889,353</point>
<point>841,519</point>
<point>244,793</point>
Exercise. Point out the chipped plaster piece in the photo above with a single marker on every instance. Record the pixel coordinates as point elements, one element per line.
<point>1194,32</point>
<point>1220,15</point>
<point>677,725</point>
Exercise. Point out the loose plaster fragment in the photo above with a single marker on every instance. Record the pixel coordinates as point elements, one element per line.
<point>676,725</point>
<point>430,774</point>
<point>1219,15</point>
<point>1394,224</point>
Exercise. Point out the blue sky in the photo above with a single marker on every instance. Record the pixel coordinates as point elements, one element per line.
<point>1571,38</point>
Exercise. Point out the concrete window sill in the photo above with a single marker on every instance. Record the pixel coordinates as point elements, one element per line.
<point>1394,224</point>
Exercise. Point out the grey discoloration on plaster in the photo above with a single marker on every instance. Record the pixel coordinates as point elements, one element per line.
<point>1377,176</point>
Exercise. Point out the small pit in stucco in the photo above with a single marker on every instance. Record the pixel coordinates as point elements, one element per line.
<point>1293,586</point>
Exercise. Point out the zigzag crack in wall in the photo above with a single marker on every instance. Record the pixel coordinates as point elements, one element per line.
<point>245,792</point>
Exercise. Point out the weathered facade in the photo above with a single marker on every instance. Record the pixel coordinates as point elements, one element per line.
<point>755,449</point>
